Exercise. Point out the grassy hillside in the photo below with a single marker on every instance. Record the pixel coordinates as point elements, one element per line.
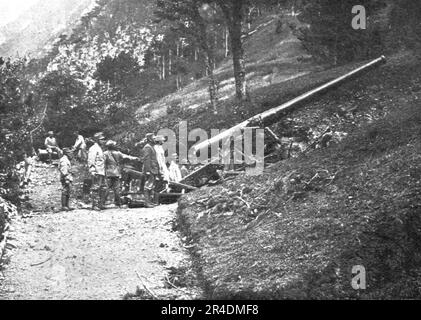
<point>273,63</point>
<point>297,230</point>
<point>279,69</point>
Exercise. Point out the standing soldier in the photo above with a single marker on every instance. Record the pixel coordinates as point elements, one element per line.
<point>150,168</point>
<point>175,172</point>
<point>28,161</point>
<point>66,178</point>
<point>96,165</point>
<point>51,145</point>
<point>160,156</point>
<point>113,159</point>
<point>80,147</point>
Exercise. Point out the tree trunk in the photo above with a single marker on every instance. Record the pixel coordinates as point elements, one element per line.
<point>335,57</point>
<point>177,82</point>
<point>238,58</point>
<point>250,11</point>
<point>170,62</point>
<point>233,11</point>
<point>215,40</point>
<point>213,94</point>
<point>209,61</point>
<point>163,67</point>
<point>158,63</point>
<point>226,43</point>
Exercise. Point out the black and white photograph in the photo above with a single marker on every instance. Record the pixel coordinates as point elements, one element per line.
<point>229,151</point>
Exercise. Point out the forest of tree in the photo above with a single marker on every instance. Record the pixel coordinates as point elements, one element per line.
<point>126,53</point>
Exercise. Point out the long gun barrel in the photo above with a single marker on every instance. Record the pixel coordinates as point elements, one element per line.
<point>270,116</point>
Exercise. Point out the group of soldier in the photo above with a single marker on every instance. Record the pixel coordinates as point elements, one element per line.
<point>104,163</point>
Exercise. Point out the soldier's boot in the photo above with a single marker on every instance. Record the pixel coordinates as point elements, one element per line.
<point>102,198</point>
<point>142,184</point>
<point>95,200</point>
<point>117,199</point>
<point>68,203</point>
<point>64,206</point>
<point>148,199</point>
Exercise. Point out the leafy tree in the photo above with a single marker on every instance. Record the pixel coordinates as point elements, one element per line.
<point>121,71</point>
<point>16,118</point>
<point>189,19</point>
<point>233,11</point>
<point>59,93</point>
<point>60,90</point>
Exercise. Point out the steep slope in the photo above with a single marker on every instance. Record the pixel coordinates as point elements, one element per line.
<point>298,230</point>
<point>275,64</point>
<point>38,27</point>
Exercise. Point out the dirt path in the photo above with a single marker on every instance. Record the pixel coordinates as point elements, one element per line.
<point>92,255</point>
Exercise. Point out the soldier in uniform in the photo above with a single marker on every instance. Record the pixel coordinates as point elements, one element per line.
<point>51,145</point>
<point>80,147</point>
<point>66,178</point>
<point>96,165</point>
<point>113,160</point>
<point>160,157</point>
<point>150,168</point>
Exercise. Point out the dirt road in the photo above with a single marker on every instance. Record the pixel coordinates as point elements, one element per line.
<point>86,254</point>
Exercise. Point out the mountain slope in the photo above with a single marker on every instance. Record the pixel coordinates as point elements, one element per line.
<point>39,25</point>
<point>309,220</point>
<point>276,64</point>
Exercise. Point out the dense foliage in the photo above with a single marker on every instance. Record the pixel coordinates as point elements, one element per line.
<point>331,37</point>
<point>405,24</point>
<point>17,114</point>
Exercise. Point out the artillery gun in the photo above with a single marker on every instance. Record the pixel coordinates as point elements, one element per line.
<point>209,172</point>
<point>271,116</point>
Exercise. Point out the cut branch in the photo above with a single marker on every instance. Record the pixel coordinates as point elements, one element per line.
<point>145,287</point>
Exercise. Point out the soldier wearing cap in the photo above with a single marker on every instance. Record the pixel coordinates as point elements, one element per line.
<point>150,168</point>
<point>96,165</point>
<point>66,179</point>
<point>113,160</point>
<point>51,145</point>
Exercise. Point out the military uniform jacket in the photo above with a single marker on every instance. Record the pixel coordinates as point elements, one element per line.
<point>113,161</point>
<point>150,162</point>
<point>96,160</point>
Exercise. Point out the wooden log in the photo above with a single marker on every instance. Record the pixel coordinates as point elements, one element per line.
<point>171,194</point>
<point>181,185</point>
<point>232,173</point>
<point>273,135</point>
<point>151,293</point>
<point>207,170</point>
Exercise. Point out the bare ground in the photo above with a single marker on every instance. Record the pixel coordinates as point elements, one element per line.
<point>85,254</point>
